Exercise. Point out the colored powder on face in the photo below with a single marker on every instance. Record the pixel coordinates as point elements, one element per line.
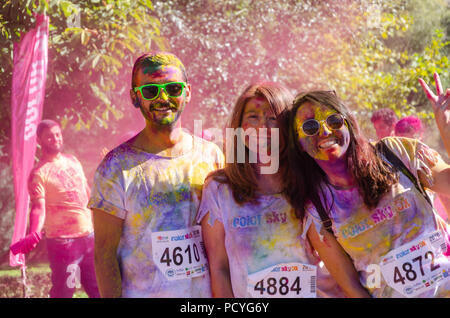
<point>161,62</point>
<point>160,70</point>
<point>309,143</point>
<point>311,111</point>
<point>150,69</point>
<point>168,120</point>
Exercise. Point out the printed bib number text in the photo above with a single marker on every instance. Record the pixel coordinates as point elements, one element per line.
<point>417,266</point>
<point>180,254</point>
<point>290,280</point>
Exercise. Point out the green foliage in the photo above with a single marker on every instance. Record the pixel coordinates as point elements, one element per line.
<point>16,18</point>
<point>7,209</point>
<point>383,69</point>
<point>38,282</point>
<point>98,41</point>
<point>228,44</point>
<point>95,40</point>
<point>370,52</point>
<point>92,47</point>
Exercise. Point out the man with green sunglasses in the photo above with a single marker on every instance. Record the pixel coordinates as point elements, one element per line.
<point>152,91</point>
<point>160,90</point>
<point>147,190</point>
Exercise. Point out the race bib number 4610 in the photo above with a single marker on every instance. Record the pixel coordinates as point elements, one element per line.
<point>290,280</point>
<point>418,266</point>
<point>180,254</point>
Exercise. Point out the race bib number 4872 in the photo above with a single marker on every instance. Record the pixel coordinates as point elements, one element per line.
<point>180,254</point>
<point>417,266</point>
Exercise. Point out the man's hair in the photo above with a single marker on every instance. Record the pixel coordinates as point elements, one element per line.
<point>305,178</point>
<point>45,124</point>
<point>151,61</point>
<point>409,125</point>
<point>386,115</point>
<point>242,177</point>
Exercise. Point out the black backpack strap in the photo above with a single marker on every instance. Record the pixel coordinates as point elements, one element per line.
<point>326,221</point>
<point>398,164</point>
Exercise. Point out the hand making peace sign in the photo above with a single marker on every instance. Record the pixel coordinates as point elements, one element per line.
<point>441,107</point>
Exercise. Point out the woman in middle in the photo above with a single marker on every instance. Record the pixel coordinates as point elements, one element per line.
<point>251,234</point>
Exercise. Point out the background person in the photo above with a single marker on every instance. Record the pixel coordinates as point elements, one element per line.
<point>252,236</point>
<point>411,127</point>
<point>147,190</point>
<point>59,195</point>
<point>384,121</point>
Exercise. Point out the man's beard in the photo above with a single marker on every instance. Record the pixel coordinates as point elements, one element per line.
<point>172,117</point>
<point>51,150</point>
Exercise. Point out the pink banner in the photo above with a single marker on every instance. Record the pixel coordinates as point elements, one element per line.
<point>27,98</point>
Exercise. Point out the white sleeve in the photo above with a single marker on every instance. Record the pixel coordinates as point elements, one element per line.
<point>108,192</point>
<point>210,202</point>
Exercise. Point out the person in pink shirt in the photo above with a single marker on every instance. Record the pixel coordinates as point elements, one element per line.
<point>59,195</point>
<point>411,127</point>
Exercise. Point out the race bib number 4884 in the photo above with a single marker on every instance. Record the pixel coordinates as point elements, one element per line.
<point>180,254</point>
<point>290,280</point>
<point>418,266</point>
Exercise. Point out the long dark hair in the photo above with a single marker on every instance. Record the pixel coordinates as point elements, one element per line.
<point>242,177</point>
<point>305,179</point>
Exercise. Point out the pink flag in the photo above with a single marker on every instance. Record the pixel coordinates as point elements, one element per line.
<point>27,97</point>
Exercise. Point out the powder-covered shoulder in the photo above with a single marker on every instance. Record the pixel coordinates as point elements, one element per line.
<point>416,155</point>
<point>72,158</point>
<point>210,150</point>
<point>311,218</point>
<point>213,185</point>
<point>120,158</point>
<point>213,196</point>
<point>311,211</point>
<point>37,168</point>
<point>404,148</point>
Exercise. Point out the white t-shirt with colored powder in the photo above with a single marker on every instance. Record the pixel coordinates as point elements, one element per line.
<point>154,194</point>
<point>402,216</point>
<point>260,236</point>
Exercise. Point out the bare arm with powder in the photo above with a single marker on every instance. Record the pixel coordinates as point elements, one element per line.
<point>214,238</point>
<point>108,230</point>
<point>440,171</point>
<point>37,217</point>
<point>338,263</point>
<point>441,108</point>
